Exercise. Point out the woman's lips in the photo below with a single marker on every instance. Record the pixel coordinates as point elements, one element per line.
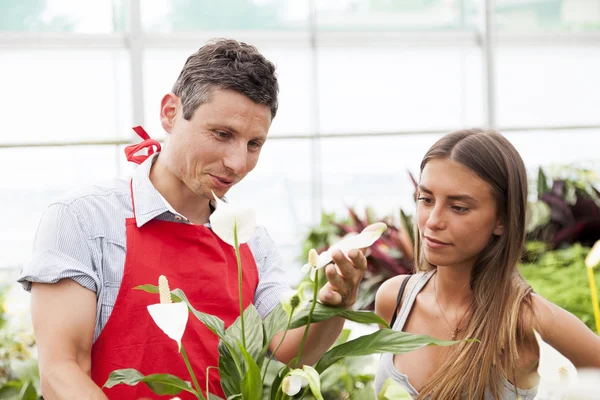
<point>434,243</point>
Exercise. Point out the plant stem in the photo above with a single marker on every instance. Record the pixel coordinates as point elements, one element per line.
<point>308,319</point>
<point>279,344</point>
<point>239,267</point>
<point>207,371</point>
<point>594,292</point>
<point>189,367</point>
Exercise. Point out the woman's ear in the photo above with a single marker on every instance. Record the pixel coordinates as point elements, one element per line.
<point>168,111</point>
<point>499,229</point>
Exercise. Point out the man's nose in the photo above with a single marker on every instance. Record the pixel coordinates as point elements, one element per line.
<point>236,159</point>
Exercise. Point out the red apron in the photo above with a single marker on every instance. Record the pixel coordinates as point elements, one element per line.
<point>193,259</point>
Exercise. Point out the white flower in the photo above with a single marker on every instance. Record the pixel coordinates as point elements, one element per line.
<point>170,317</point>
<point>311,265</point>
<point>593,258</point>
<point>556,372</point>
<point>366,238</point>
<point>292,384</point>
<point>227,221</point>
<point>299,378</point>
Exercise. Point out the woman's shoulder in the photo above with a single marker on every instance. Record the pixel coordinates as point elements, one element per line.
<point>387,294</point>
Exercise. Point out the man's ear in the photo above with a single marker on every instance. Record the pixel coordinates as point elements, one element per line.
<point>169,107</point>
<point>499,229</point>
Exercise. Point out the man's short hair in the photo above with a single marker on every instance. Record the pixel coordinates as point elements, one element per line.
<point>224,64</point>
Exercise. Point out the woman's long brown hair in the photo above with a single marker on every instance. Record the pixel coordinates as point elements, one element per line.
<point>501,298</point>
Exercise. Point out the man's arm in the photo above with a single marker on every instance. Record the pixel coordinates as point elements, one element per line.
<point>64,315</point>
<point>340,291</point>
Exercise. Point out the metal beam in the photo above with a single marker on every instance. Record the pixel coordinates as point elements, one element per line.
<point>489,61</point>
<point>122,142</point>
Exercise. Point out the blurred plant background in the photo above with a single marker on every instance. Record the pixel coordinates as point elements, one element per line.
<point>19,376</point>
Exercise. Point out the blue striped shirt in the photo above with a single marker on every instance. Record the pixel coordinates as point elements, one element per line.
<point>82,237</point>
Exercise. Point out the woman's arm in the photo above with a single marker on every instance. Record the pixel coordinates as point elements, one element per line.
<point>567,334</point>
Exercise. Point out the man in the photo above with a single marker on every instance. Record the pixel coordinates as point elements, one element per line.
<point>94,246</point>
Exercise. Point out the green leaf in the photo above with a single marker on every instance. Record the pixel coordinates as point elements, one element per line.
<point>11,390</point>
<point>254,333</point>
<point>252,383</point>
<point>229,355</point>
<point>274,322</point>
<point>382,341</point>
<point>228,369</point>
<point>323,312</point>
<point>161,384</point>
<point>28,392</point>
<point>542,183</point>
<point>392,390</point>
<point>406,223</point>
<point>215,324</point>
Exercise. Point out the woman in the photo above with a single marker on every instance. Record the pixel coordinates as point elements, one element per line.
<point>472,200</point>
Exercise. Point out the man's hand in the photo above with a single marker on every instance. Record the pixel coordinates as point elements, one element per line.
<point>343,278</point>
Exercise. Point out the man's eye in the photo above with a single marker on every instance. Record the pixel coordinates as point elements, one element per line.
<point>255,145</point>
<point>425,200</point>
<point>222,135</point>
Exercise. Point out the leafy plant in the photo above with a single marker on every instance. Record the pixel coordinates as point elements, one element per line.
<point>560,276</point>
<point>243,346</point>
<point>567,210</point>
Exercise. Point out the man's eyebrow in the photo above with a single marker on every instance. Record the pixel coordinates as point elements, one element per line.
<point>228,128</point>
<point>459,197</point>
<point>231,129</point>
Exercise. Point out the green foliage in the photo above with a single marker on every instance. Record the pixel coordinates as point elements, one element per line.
<point>560,276</point>
<point>567,211</point>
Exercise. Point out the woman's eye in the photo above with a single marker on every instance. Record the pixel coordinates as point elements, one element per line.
<point>460,209</point>
<point>425,200</point>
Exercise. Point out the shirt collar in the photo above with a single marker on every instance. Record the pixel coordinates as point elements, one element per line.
<point>148,202</point>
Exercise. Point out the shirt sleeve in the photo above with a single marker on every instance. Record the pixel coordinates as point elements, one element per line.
<point>272,277</point>
<point>62,249</point>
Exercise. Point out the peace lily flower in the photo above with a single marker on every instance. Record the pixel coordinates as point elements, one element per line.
<point>170,317</point>
<point>556,372</point>
<point>366,238</point>
<point>591,261</point>
<point>227,220</point>
<point>299,378</point>
<point>311,266</point>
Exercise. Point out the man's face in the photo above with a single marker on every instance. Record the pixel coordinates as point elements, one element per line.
<point>219,145</point>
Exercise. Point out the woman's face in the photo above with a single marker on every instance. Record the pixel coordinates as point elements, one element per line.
<point>456,214</point>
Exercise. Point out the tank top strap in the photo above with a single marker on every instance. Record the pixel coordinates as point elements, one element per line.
<point>421,280</point>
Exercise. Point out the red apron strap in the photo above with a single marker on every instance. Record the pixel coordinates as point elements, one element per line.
<point>148,143</point>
